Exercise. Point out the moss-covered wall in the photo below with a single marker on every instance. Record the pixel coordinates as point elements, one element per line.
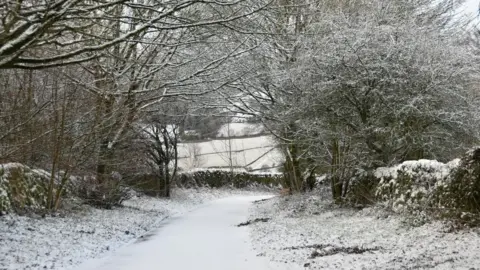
<point>22,188</point>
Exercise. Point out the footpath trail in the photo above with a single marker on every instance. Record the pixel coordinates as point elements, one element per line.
<point>205,239</point>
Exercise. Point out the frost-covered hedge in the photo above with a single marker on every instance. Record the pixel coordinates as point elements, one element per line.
<point>22,188</point>
<point>413,185</point>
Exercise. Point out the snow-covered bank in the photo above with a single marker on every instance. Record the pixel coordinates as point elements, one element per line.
<point>314,233</point>
<point>64,242</point>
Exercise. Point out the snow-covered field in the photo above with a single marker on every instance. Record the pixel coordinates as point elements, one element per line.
<point>252,152</point>
<point>315,234</point>
<point>64,242</point>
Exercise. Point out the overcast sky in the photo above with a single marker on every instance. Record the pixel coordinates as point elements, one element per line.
<point>471,6</point>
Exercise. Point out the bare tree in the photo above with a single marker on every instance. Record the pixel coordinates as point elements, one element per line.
<point>31,28</point>
<point>193,155</point>
<point>101,67</point>
<point>136,77</point>
<point>162,150</point>
<point>226,150</point>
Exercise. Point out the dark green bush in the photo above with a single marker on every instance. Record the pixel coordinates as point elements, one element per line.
<point>106,194</point>
<point>218,178</point>
<point>362,188</point>
<point>148,184</point>
<point>460,196</point>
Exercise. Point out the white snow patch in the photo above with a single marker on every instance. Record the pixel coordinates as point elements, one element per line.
<point>308,220</point>
<point>251,153</point>
<point>205,239</point>
<point>64,242</point>
<point>412,166</point>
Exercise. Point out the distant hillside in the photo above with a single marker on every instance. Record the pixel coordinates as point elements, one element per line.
<point>240,130</point>
<point>252,153</point>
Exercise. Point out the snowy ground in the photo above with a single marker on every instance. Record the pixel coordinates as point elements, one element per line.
<point>303,227</point>
<point>64,242</point>
<point>205,239</point>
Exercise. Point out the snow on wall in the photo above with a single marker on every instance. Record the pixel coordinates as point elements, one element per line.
<point>431,167</point>
<point>412,184</point>
<point>22,187</point>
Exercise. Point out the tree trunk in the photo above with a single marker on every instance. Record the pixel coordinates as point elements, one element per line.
<point>336,183</point>
<point>167,179</point>
<point>105,160</point>
<point>166,141</point>
<point>292,168</point>
<point>160,178</point>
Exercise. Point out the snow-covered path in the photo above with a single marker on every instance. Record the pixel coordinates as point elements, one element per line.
<point>207,238</point>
